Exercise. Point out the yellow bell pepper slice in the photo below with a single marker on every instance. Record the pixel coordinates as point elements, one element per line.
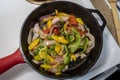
<point>44,28</point>
<point>58,73</point>
<point>37,58</point>
<point>50,58</point>
<point>44,55</point>
<point>79,20</point>
<point>57,48</point>
<point>56,11</point>
<point>60,39</point>
<point>60,13</point>
<point>47,19</point>
<point>65,26</point>
<point>45,66</point>
<point>33,44</point>
<point>55,65</point>
<point>49,24</point>
<point>73,57</point>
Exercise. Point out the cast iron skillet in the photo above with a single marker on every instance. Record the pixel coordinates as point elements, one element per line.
<point>63,6</point>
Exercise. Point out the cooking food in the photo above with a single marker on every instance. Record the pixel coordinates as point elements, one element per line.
<point>57,39</point>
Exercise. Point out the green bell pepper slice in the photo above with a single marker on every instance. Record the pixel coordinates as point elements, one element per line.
<point>85,44</point>
<point>66,56</point>
<point>75,45</point>
<point>51,52</point>
<point>36,51</point>
<point>71,37</point>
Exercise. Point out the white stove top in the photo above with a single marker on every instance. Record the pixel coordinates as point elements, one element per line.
<point>12,16</point>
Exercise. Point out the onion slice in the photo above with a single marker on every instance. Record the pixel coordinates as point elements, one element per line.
<point>30,36</point>
<point>91,42</point>
<point>55,20</point>
<point>64,18</point>
<point>48,42</point>
<point>37,62</point>
<point>39,31</point>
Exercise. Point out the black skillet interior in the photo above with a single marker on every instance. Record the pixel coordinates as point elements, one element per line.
<point>70,8</point>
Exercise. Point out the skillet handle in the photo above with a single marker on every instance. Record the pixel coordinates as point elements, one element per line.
<point>102,26</point>
<point>11,60</point>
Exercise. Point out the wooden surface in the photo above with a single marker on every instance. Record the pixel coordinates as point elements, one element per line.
<point>116,19</point>
<point>107,13</point>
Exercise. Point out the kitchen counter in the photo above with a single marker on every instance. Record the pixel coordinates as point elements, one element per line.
<point>12,15</point>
